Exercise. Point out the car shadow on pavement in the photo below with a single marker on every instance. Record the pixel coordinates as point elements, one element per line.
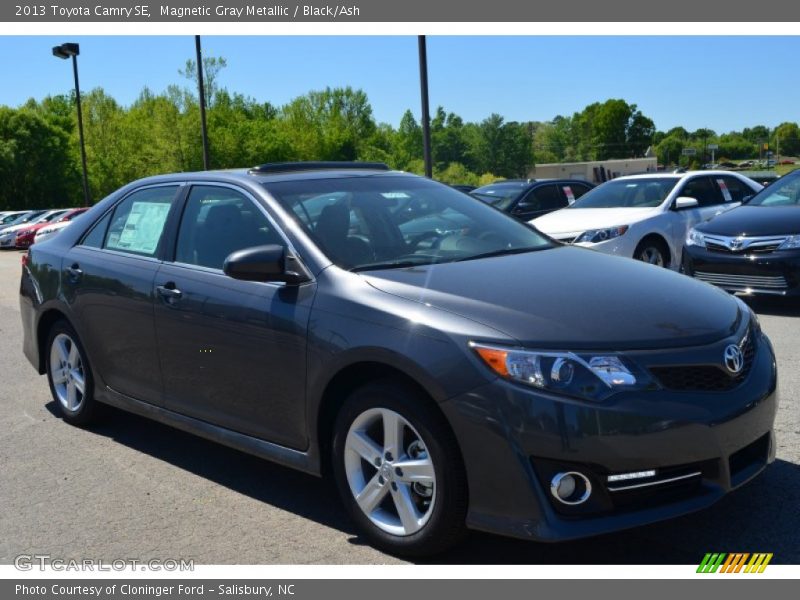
<point>762,516</point>
<point>773,305</point>
<point>262,480</point>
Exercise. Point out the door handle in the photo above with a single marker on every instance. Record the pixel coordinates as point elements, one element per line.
<point>169,292</point>
<point>74,272</point>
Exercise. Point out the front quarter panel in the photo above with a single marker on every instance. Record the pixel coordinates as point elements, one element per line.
<point>354,323</point>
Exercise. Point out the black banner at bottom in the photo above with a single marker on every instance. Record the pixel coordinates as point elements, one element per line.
<point>385,589</point>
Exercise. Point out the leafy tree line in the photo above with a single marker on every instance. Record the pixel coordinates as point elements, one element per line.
<point>160,133</point>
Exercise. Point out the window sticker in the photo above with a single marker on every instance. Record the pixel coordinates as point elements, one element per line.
<point>570,194</point>
<point>725,191</point>
<point>143,227</point>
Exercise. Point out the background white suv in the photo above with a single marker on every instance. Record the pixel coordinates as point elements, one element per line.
<point>647,217</point>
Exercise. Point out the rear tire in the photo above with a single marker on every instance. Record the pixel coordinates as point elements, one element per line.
<point>410,482</point>
<point>69,375</point>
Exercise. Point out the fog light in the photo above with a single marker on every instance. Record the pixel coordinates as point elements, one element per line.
<point>571,488</point>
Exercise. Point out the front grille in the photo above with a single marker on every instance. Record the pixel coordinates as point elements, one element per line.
<point>764,282</point>
<point>763,249</point>
<point>743,245</point>
<point>705,378</point>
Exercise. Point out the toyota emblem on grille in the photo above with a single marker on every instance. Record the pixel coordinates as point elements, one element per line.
<point>736,243</point>
<point>734,359</point>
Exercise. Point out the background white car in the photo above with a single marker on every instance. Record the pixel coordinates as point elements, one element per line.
<point>50,231</point>
<point>647,216</point>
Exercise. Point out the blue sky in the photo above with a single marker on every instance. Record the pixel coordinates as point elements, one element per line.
<point>723,83</point>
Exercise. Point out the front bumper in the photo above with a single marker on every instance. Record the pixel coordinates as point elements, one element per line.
<point>776,273</point>
<point>513,439</point>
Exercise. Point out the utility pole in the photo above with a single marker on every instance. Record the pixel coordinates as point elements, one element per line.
<point>202,93</point>
<point>426,117</point>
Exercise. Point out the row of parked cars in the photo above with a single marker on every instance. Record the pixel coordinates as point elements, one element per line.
<point>22,228</point>
<point>718,226</point>
<point>447,365</point>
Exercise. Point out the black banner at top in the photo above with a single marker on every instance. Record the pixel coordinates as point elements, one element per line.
<point>366,11</point>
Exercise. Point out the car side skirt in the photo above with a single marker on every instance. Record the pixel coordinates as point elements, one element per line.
<point>288,457</point>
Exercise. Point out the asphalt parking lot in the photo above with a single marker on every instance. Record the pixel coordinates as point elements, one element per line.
<point>134,489</point>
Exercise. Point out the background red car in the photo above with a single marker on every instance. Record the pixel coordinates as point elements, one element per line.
<point>26,236</point>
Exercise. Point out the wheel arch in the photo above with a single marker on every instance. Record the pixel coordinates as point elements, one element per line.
<point>43,327</point>
<point>351,377</point>
<point>661,238</point>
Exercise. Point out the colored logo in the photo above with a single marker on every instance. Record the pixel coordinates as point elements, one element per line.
<point>735,562</point>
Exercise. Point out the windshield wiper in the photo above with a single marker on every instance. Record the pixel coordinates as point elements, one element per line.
<point>503,252</point>
<point>401,264</point>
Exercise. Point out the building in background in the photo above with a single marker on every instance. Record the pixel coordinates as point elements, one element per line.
<point>596,171</point>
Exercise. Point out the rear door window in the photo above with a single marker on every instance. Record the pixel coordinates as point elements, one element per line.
<point>546,197</point>
<point>733,189</point>
<point>573,191</point>
<point>703,190</point>
<point>137,223</point>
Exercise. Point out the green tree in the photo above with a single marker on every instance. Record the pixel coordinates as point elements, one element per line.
<point>787,139</point>
<point>37,162</point>
<point>331,124</point>
<point>212,65</point>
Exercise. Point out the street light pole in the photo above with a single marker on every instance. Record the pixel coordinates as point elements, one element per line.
<point>202,92</point>
<point>426,117</point>
<point>65,51</point>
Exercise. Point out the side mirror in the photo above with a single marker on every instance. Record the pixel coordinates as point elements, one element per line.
<point>684,202</point>
<point>747,199</point>
<point>265,263</point>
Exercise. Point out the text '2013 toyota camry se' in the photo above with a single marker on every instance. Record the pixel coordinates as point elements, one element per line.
<point>449,366</point>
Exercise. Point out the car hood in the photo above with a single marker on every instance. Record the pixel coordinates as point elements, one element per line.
<point>755,221</point>
<point>569,220</point>
<point>14,228</point>
<point>571,298</point>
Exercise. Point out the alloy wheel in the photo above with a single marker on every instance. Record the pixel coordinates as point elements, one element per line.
<point>652,255</point>
<point>67,372</point>
<point>390,472</point>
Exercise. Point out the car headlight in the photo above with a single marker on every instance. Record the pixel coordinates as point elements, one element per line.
<point>791,243</point>
<point>695,238</point>
<point>587,376</point>
<point>595,236</point>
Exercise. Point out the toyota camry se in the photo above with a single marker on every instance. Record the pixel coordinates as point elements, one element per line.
<point>447,365</point>
<point>754,249</point>
<point>647,217</point>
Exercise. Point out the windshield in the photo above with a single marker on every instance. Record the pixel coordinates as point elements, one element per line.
<point>9,219</point>
<point>23,218</point>
<point>500,195</point>
<point>48,217</point>
<point>364,223</point>
<point>628,193</point>
<point>783,192</point>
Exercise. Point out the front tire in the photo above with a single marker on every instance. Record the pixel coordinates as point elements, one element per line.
<point>652,251</point>
<point>398,470</point>
<point>69,375</point>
